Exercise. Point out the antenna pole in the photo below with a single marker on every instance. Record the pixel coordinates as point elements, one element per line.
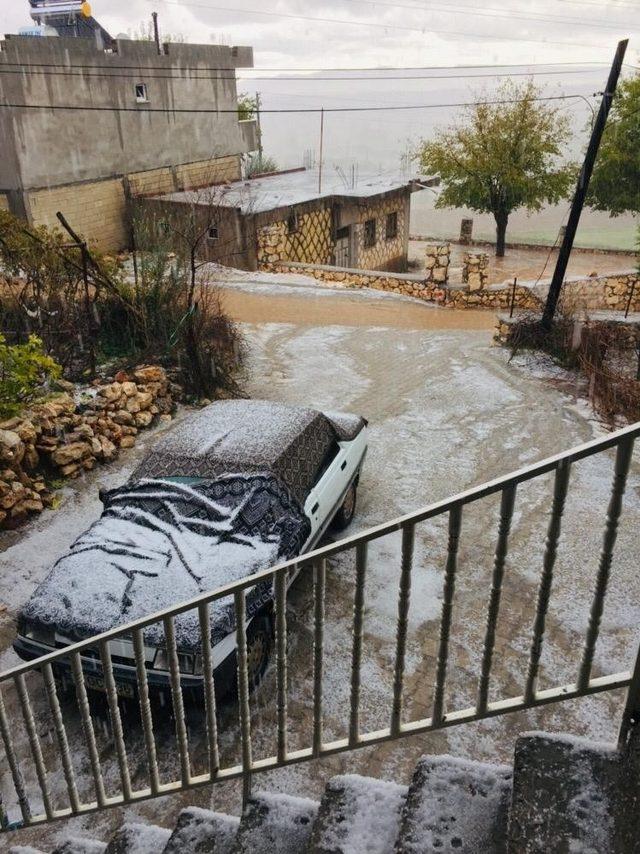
<point>156,32</point>
<point>321,141</point>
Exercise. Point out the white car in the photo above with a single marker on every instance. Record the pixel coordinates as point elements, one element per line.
<point>238,487</point>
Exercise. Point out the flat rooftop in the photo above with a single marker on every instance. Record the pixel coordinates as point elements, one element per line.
<point>270,192</point>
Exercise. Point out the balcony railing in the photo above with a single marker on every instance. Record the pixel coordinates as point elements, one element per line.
<point>23,686</point>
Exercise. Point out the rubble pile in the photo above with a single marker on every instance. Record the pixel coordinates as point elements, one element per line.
<point>67,434</point>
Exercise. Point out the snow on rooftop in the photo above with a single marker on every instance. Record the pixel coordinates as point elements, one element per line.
<point>284,189</point>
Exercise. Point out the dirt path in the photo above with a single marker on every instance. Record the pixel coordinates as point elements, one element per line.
<point>446,411</point>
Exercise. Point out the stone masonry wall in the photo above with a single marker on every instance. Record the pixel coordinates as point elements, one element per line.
<point>604,293</point>
<point>384,251</point>
<point>437,258</point>
<point>310,243</point>
<point>61,438</point>
<point>475,270</point>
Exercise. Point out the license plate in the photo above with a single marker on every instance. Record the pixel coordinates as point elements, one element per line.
<point>96,683</point>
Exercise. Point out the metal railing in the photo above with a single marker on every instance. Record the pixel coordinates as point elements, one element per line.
<point>23,681</point>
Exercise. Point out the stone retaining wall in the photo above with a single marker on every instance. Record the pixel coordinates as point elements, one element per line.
<point>602,293</point>
<point>61,438</point>
<point>437,258</point>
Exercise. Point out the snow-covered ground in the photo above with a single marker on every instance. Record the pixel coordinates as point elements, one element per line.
<point>446,411</point>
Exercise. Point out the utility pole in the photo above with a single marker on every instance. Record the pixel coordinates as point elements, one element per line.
<point>582,187</point>
<point>259,127</point>
<point>321,140</point>
<point>156,32</point>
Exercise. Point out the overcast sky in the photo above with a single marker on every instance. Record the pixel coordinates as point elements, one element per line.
<point>394,32</point>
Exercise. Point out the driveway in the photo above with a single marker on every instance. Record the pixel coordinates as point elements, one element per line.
<point>446,411</point>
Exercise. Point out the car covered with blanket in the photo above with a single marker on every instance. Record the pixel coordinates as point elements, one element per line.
<point>240,486</point>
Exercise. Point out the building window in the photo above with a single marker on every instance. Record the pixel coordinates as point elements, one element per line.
<point>141,93</point>
<point>391,230</point>
<point>292,222</point>
<point>369,233</point>
<point>212,233</point>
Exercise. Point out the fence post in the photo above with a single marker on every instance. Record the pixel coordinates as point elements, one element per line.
<point>513,295</point>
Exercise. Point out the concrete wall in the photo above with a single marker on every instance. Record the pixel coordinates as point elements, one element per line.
<point>43,148</point>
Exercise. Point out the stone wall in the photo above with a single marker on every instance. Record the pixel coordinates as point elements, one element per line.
<point>437,258</point>
<point>602,293</point>
<point>309,243</point>
<point>61,438</point>
<point>413,285</point>
<point>475,270</point>
<point>386,253</point>
<point>609,292</point>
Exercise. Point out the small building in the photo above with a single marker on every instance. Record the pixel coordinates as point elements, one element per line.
<point>287,216</point>
<point>87,124</point>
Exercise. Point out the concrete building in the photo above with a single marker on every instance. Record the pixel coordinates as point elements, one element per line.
<point>262,221</point>
<point>55,154</point>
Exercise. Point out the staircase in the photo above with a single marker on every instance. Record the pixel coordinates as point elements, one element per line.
<point>562,795</point>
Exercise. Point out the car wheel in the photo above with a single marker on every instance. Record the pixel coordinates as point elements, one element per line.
<point>347,510</point>
<point>258,650</point>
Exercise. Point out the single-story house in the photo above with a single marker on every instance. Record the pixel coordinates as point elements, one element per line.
<point>288,216</point>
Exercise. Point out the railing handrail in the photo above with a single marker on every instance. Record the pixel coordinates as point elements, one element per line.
<point>467,496</point>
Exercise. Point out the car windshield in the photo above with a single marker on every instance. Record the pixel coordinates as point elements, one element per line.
<point>160,542</point>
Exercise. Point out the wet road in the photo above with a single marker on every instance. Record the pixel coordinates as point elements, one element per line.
<point>446,411</point>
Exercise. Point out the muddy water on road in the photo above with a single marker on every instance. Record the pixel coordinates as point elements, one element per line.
<point>347,309</point>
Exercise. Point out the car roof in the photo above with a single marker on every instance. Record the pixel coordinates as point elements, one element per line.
<point>236,436</point>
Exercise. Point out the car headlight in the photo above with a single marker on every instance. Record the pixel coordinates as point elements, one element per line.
<point>40,633</point>
<point>185,661</point>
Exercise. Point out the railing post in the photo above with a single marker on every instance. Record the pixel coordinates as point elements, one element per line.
<point>623,461</point>
<point>281,661</point>
<point>14,764</point>
<point>404,593</point>
<point>356,651</point>
<point>455,522</point>
<point>507,503</point>
<point>243,692</point>
<point>319,577</point>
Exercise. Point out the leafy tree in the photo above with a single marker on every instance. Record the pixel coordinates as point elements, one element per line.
<point>501,157</point>
<point>247,106</point>
<point>615,183</point>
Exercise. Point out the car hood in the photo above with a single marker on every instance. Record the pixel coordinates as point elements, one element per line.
<point>158,543</point>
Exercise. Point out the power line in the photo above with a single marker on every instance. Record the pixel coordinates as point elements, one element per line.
<point>202,110</point>
<point>280,78</point>
<point>376,25</point>
<point>144,67</point>
<point>488,12</point>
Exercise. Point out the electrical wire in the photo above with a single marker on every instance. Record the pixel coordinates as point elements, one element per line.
<point>346,22</point>
<point>488,12</point>
<point>203,110</point>
<point>190,77</point>
<point>132,66</point>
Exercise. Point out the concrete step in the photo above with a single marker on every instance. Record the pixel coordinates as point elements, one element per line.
<point>571,794</point>
<point>358,815</point>
<point>133,838</point>
<point>275,824</point>
<point>455,805</point>
<point>199,831</point>
<point>80,845</point>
